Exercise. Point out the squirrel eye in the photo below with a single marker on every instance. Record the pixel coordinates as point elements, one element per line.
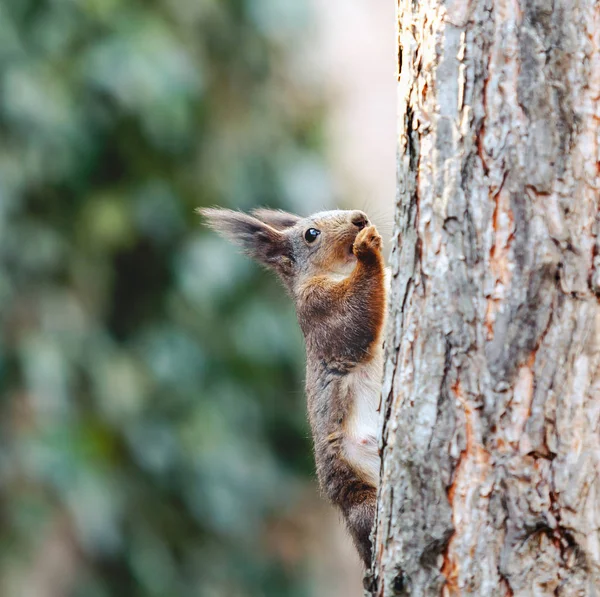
<point>311,235</point>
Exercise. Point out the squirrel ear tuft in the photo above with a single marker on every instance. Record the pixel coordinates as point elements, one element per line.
<point>280,220</point>
<point>259,240</point>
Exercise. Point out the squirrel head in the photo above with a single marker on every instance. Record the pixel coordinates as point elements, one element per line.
<point>296,248</point>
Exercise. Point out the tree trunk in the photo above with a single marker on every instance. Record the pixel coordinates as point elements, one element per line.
<point>491,397</point>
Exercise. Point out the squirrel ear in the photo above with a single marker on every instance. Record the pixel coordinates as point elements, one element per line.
<point>259,240</point>
<point>280,220</point>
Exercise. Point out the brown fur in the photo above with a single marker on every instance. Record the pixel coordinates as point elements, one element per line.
<point>337,284</point>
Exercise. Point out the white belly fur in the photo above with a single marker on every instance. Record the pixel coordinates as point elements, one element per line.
<point>361,441</point>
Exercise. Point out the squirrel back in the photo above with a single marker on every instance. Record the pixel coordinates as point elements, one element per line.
<point>331,265</point>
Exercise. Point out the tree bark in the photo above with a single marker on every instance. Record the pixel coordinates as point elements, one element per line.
<point>491,396</point>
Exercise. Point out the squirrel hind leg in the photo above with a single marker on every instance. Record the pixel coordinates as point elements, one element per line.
<point>359,518</point>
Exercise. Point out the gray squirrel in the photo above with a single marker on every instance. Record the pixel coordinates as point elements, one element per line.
<point>332,266</point>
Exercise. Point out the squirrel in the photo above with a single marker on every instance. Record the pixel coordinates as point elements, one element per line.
<point>332,266</point>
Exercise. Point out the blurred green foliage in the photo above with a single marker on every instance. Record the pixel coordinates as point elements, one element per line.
<point>150,377</point>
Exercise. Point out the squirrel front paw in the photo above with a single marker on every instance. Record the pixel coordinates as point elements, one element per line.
<point>367,244</point>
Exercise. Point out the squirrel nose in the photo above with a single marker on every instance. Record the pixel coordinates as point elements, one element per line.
<point>359,219</point>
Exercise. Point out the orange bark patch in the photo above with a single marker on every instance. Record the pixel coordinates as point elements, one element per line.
<point>522,398</point>
<point>503,224</point>
<point>470,473</point>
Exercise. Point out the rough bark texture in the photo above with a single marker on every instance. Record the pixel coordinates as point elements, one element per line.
<point>491,398</point>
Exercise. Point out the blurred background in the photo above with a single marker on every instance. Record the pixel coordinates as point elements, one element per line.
<point>153,437</point>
